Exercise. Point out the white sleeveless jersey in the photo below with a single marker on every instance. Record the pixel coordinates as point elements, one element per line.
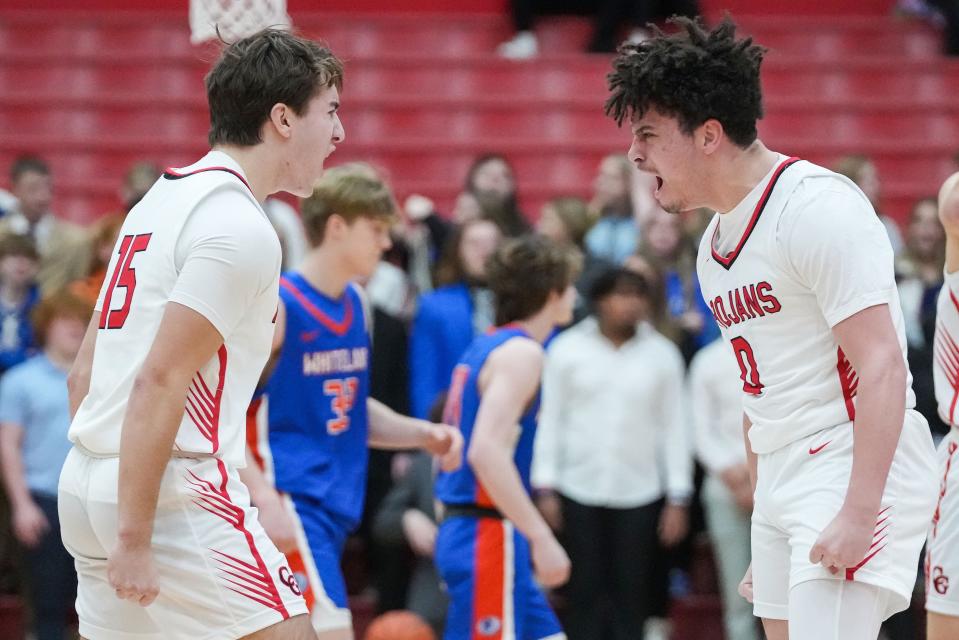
<point>945,368</point>
<point>812,254</point>
<point>198,238</point>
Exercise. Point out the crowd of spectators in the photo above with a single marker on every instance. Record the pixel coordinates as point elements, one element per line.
<point>639,449</point>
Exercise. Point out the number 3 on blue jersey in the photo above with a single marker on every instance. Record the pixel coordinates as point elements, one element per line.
<point>342,392</point>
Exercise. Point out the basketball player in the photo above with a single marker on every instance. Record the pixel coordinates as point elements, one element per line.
<point>492,539</point>
<point>321,419</point>
<point>165,541</point>
<point>798,272</point>
<point>942,560</point>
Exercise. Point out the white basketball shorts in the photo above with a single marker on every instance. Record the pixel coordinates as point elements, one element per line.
<point>800,489</point>
<point>942,548</point>
<point>221,577</point>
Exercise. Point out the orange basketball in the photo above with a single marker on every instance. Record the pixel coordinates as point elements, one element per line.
<point>399,625</point>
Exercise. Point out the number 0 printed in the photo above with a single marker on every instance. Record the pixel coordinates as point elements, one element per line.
<point>124,276</point>
<point>748,370</point>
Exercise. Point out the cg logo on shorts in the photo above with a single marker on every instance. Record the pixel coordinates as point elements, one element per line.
<point>488,626</point>
<point>287,578</point>
<point>940,581</point>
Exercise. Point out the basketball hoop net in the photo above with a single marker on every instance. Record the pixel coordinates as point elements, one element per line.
<point>235,19</point>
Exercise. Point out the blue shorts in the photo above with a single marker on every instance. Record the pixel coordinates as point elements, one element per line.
<point>316,563</point>
<point>486,566</point>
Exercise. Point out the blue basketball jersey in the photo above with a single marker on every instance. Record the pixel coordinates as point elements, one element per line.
<point>317,400</point>
<point>462,404</point>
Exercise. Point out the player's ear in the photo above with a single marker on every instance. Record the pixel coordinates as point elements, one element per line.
<point>709,135</point>
<point>280,119</point>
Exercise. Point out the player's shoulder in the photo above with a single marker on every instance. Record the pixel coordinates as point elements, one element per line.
<point>517,351</point>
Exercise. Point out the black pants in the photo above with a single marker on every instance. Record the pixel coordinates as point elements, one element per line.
<point>50,576</point>
<point>612,553</point>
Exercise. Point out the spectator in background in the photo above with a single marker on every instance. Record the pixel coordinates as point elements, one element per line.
<point>612,462</point>
<point>861,170</point>
<point>448,317</point>
<point>34,420</point>
<point>137,181</point>
<point>407,516</point>
<point>103,240</point>
<point>61,244</point>
<point>289,229</point>
<point>19,294</point>
<point>492,182</point>
<point>689,322</point>
<point>610,18</point>
<point>919,278</point>
<point>616,233</point>
<point>565,221</point>
<point>716,393</point>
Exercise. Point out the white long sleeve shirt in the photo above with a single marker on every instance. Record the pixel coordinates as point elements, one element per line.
<point>717,407</point>
<point>612,431</point>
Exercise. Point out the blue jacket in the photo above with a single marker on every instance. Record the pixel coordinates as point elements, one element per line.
<point>442,330</point>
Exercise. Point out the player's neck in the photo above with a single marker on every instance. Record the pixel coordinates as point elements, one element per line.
<point>256,168</point>
<point>325,272</point>
<point>538,327</point>
<point>738,173</point>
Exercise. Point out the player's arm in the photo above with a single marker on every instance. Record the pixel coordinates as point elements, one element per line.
<point>78,381</point>
<point>392,430</point>
<point>752,460</point>
<point>184,342</point>
<point>949,216</point>
<point>508,382</point>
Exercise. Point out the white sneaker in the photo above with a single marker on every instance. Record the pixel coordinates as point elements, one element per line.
<point>521,47</point>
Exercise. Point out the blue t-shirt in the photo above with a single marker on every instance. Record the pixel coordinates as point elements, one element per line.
<point>33,396</point>
<point>462,404</point>
<point>16,331</point>
<point>317,400</point>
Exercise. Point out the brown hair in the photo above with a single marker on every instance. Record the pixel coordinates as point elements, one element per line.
<point>59,304</point>
<point>103,231</point>
<point>851,166</point>
<point>17,245</point>
<point>449,268</point>
<point>574,214</point>
<point>351,191</point>
<point>28,164</point>
<point>257,72</point>
<point>524,271</point>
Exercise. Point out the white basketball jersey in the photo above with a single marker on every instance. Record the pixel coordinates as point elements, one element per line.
<point>945,368</point>
<point>811,254</point>
<point>147,271</point>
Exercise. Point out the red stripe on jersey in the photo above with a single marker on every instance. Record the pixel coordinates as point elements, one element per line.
<point>338,328</point>
<point>203,406</point>
<point>489,556</point>
<point>727,260</point>
<point>253,432</point>
<point>849,381</point>
<point>947,356</point>
<point>173,174</point>
<point>251,580</point>
<point>943,489</point>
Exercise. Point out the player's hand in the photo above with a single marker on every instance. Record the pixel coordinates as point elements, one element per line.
<point>133,574</point>
<point>420,532</point>
<point>29,524</point>
<point>446,443</point>
<point>550,561</point>
<point>736,479</point>
<point>276,521</point>
<point>551,508</point>
<point>845,542</point>
<point>673,524</point>
<point>746,584</point>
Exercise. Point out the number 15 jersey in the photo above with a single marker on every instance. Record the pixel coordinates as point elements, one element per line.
<point>800,254</point>
<point>200,239</point>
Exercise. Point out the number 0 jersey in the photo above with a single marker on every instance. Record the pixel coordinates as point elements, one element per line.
<point>317,417</point>
<point>801,253</point>
<point>200,239</point>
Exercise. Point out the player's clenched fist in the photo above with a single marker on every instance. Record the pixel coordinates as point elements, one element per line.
<point>746,584</point>
<point>549,561</point>
<point>844,542</point>
<point>133,574</point>
<point>446,443</point>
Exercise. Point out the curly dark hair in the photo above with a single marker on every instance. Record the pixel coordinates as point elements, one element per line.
<point>692,75</point>
<point>524,271</point>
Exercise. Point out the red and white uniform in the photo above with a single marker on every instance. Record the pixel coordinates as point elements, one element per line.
<point>198,238</point>
<point>801,253</point>
<point>942,548</point>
